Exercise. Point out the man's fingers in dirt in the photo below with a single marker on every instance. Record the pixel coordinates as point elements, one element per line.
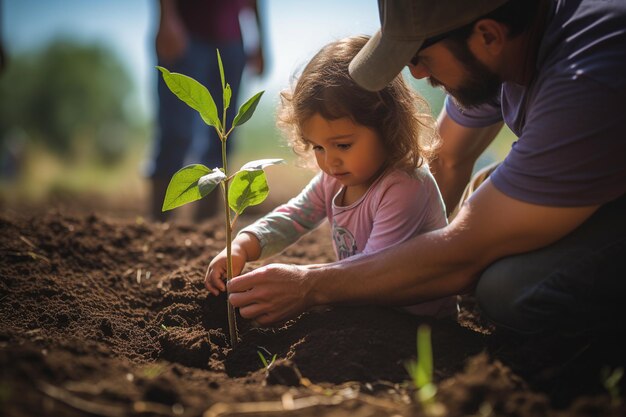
<point>238,299</point>
<point>255,312</point>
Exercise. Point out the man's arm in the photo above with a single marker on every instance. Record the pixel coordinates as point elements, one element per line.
<point>489,226</point>
<point>461,146</point>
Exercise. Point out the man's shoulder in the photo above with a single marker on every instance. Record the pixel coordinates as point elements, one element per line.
<point>586,38</point>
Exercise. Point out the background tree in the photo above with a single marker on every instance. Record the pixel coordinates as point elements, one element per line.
<point>70,96</point>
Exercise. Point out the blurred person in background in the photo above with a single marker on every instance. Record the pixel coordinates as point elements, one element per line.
<point>3,59</point>
<point>9,149</point>
<point>188,35</point>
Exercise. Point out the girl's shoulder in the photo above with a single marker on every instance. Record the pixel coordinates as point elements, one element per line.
<point>415,192</point>
<point>419,178</point>
<point>418,187</point>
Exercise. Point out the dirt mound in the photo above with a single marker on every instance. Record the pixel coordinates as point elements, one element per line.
<point>109,317</point>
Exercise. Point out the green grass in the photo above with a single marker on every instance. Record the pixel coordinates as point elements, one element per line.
<point>611,380</point>
<point>421,370</point>
<point>266,364</point>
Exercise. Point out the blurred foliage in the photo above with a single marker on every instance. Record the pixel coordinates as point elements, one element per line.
<point>71,98</point>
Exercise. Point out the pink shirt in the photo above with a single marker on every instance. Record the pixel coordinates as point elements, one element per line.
<point>395,208</point>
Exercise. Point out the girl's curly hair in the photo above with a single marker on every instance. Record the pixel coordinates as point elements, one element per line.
<point>400,116</point>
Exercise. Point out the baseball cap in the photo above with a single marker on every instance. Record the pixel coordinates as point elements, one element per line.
<point>405,25</point>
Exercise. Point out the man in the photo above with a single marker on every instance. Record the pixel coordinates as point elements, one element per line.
<point>542,241</point>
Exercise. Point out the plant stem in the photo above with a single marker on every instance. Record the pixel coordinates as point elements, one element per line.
<point>232,324</point>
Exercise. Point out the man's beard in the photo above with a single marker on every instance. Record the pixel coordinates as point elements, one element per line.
<point>480,85</point>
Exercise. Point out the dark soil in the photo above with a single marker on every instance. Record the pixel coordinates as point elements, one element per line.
<point>108,316</point>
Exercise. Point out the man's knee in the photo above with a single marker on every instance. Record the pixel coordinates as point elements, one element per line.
<point>552,288</point>
<point>498,292</point>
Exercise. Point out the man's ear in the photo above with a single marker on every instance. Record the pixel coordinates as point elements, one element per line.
<point>492,35</point>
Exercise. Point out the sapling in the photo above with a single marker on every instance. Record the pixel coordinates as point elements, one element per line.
<point>421,372</point>
<point>610,380</point>
<point>246,187</point>
<point>266,365</point>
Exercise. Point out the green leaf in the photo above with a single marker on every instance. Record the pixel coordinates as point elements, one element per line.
<point>226,91</point>
<point>424,357</point>
<point>183,187</point>
<point>227,95</point>
<point>208,182</point>
<point>247,188</point>
<point>247,109</point>
<point>260,164</point>
<point>221,66</point>
<point>263,360</point>
<point>427,393</point>
<point>194,94</point>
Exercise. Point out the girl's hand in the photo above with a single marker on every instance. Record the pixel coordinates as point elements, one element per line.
<point>216,274</point>
<point>215,277</point>
<point>244,248</point>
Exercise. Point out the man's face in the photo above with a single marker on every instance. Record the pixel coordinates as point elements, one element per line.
<point>454,67</point>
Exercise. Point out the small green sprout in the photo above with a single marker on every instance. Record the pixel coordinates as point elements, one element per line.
<point>246,187</point>
<point>421,371</point>
<point>5,393</point>
<point>266,365</point>
<point>164,327</point>
<point>610,380</point>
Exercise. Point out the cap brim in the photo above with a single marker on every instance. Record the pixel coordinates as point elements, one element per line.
<point>380,60</point>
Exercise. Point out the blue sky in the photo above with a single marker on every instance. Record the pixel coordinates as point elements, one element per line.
<point>295,30</point>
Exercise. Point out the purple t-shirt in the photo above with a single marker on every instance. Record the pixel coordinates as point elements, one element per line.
<point>570,121</point>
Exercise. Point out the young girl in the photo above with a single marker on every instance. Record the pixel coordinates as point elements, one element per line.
<point>374,186</point>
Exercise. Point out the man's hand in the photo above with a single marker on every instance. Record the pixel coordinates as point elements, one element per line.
<point>256,62</point>
<point>273,293</point>
<point>171,38</point>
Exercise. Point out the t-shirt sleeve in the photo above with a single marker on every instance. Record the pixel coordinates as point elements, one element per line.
<point>479,116</point>
<point>290,221</point>
<point>572,149</point>
<point>405,208</point>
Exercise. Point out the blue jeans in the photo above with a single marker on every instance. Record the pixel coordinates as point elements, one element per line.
<point>180,129</point>
<point>577,284</point>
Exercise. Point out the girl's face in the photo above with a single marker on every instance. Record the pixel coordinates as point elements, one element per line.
<point>353,154</point>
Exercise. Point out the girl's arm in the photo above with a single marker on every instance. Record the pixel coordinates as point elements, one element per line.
<point>288,222</point>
